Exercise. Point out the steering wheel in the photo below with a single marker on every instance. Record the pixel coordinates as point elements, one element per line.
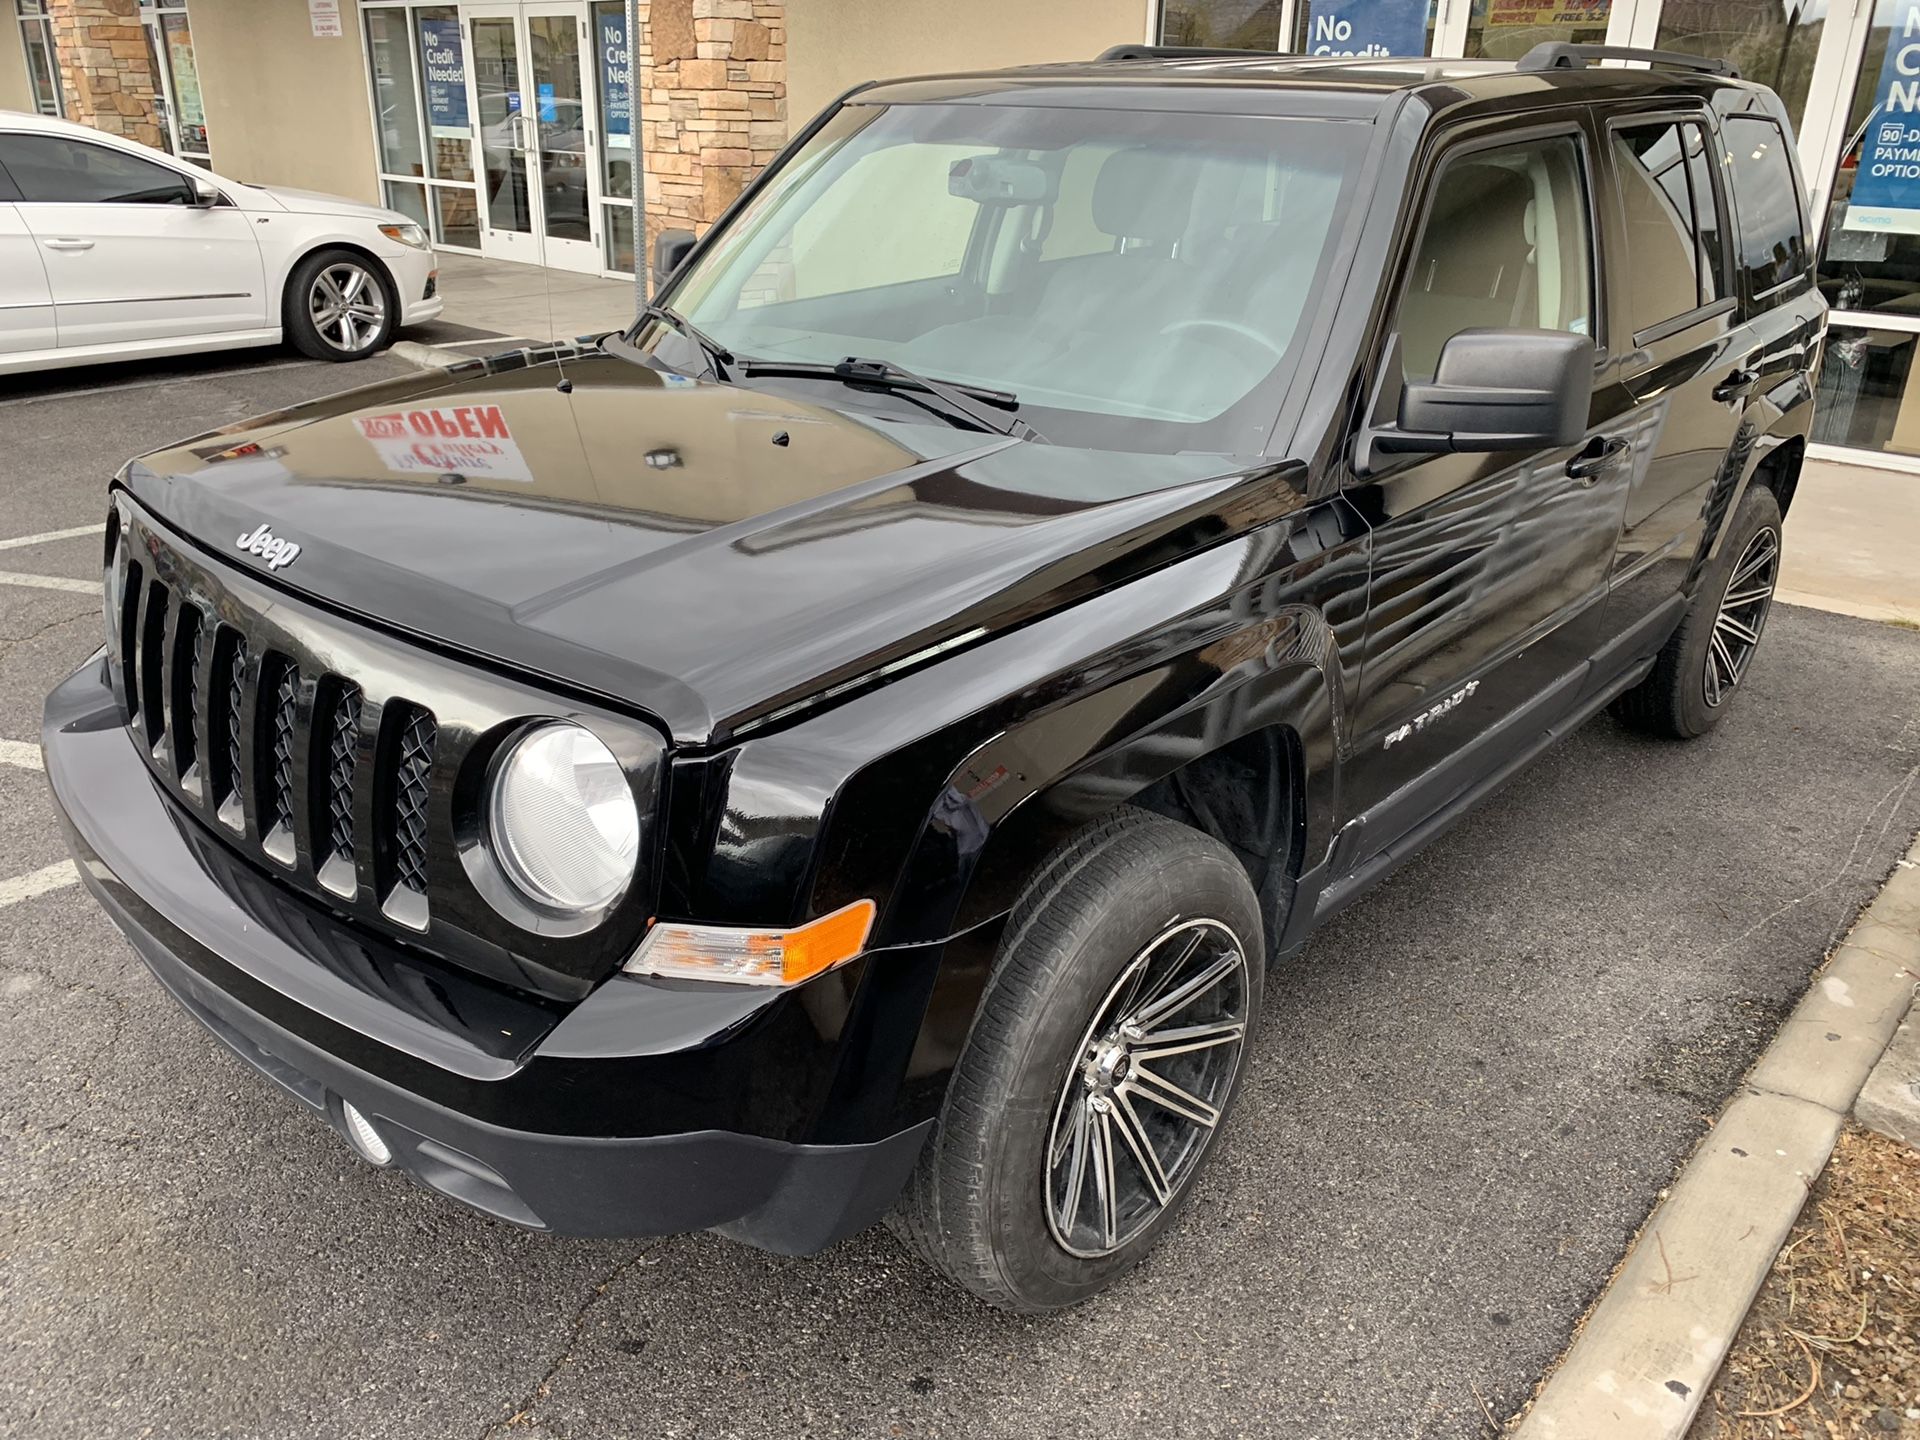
<point>1235,328</point>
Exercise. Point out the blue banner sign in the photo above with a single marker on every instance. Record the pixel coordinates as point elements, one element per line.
<point>1886,182</point>
<point>443,58</point>
<point>616,79</point>
<point>1367,27</point>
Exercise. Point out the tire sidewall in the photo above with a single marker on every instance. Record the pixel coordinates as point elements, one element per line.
<point>1108,929</point>
<point>1758,511</point>
<point>297,320</point>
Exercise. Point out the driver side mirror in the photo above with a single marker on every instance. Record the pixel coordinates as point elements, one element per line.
<point>205,194</point>
<point>670,250</point>
<point>1492,390</point>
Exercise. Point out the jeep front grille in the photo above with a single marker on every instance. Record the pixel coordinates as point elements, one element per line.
<point>323,750</point>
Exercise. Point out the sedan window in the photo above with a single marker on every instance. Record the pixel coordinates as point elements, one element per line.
<point>56,169</point>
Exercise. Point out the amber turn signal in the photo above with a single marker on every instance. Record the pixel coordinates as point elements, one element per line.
<point>754,957</point>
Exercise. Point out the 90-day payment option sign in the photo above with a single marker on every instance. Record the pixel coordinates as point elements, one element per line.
<point>1886,182</point>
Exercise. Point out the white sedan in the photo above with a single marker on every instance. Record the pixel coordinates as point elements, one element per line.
<point>112,251</point>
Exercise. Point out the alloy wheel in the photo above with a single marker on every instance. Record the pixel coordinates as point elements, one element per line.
<point>1146,1088</point>
<point>348,306</point>
<point>1742,615</point>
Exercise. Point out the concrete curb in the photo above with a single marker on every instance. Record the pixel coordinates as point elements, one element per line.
<point>1641,1365</point>
<point>427,357</point>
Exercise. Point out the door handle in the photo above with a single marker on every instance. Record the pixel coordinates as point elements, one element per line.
<point>1596,459</point>
<point>1735,386</point>
<point>68,244</point>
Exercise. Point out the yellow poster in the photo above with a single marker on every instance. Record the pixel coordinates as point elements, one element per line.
<point>1566,14</point>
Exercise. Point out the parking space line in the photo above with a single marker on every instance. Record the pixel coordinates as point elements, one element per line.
<point>183,378</point>
<point>37,882</point>
<point>19,752</point>
<point>50,582</point>
<point>21,542</point>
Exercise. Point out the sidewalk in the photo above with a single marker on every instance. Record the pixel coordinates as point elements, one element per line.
<point>523,302</point>
<point>1853,542</point>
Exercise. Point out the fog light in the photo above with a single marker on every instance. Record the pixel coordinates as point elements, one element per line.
<point>364,1138</point>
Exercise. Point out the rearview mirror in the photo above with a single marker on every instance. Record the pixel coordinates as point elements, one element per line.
<point>205,194</point>
<point>670,250</point>
<point>1497,390</point>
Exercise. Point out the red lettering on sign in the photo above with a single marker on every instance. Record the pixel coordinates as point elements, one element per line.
<point>493,424</point>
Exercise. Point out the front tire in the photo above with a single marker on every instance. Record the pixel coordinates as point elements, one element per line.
<point>1704,662</point>
<point>1107,1053</point>
<point>340,306</point>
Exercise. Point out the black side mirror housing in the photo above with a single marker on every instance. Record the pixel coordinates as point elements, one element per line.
<point>670,250</point>
<point>1495,390</point>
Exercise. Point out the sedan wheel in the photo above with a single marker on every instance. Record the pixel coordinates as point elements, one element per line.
<point>348,307</point>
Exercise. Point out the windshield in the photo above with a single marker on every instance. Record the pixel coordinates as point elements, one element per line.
<point>1141,280</point>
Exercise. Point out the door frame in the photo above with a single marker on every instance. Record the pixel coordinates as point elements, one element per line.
<point>534,246</point>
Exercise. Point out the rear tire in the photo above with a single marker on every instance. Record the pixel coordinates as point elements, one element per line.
<point>340,305</point>
<point>1053,1083</point>
<point>1704,662</point>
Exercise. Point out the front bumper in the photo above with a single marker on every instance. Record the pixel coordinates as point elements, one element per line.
<point>550,1117</point>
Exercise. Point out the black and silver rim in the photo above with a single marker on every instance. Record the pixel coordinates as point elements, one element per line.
<point>348,306</point>
<point>1146,1088</point>
<point>1742,615</point>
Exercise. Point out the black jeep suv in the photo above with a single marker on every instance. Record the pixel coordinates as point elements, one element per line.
<point>851,745</point>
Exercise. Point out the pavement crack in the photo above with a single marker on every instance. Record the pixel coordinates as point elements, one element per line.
<point>9,642</point>
<point>523,1409</point>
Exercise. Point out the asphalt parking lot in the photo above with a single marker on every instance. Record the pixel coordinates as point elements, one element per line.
<point>1466,1096</point>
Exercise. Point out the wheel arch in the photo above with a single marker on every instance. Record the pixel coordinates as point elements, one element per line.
<point>329,242</point>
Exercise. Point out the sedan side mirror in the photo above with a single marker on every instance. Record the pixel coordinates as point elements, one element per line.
<point>670,250</point>
<point>205,193</point>
<point>1496,390</point>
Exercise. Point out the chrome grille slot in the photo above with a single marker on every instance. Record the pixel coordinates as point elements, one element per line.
<point>224,726</point>
<point>278,710</point>
<point>130,592</point>
<point>153,630</point>
<point>336,761</point>
<point>189,653</point>
<point>408,737</point>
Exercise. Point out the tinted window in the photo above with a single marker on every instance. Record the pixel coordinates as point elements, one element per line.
<point>54,168</point>
<point>1773,244</point>
<point>1667,273</point>
<point>1507,242</point>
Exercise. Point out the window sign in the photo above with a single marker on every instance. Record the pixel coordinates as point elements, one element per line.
<point>444,58</point>
<point>1367,27</point>
<point>1886,186</point>
<point>616,80</point>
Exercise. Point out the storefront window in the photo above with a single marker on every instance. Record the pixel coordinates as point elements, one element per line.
<point>443,92</point>
<point>1870,249</point>
<point>1508,29</point>
<point>43,71</point>
<point>417,55</point>
<point>613,86</point>
<point>1240,24</point>
<point>1772,41</point>
<point>1365,27</point>
<point>177,102</point>
<point>1867,397</point>
<point>396,103</point>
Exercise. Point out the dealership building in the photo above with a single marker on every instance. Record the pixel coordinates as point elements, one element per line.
<point>508,127</point>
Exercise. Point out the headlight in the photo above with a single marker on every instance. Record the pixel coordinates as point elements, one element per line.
<point>408,234</point>
<point>562,819</point>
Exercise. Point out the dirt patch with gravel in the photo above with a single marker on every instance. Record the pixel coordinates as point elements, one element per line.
<point>1832,1345</point>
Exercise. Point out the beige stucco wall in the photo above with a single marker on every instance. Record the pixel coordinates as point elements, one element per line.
<point>15,94</point>
<point>833,44</point>
<point>284,108</point>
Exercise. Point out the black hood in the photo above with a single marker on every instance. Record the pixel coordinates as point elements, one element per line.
<point>650,539</point>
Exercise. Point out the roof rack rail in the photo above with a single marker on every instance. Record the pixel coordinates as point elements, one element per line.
<point>1561,55</point>
<point>1178,52</point>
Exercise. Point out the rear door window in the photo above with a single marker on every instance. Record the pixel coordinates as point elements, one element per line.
<point>1773,231</point>
<point>1675,261</point>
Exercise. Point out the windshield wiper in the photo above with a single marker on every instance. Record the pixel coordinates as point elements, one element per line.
<point>971,402</point>
<point>718,356</point>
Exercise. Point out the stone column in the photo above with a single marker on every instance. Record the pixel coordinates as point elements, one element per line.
<point>713,92</point>
<point>105,68</point>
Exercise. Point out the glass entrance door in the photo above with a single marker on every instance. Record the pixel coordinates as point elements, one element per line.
<point>535,132</point>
